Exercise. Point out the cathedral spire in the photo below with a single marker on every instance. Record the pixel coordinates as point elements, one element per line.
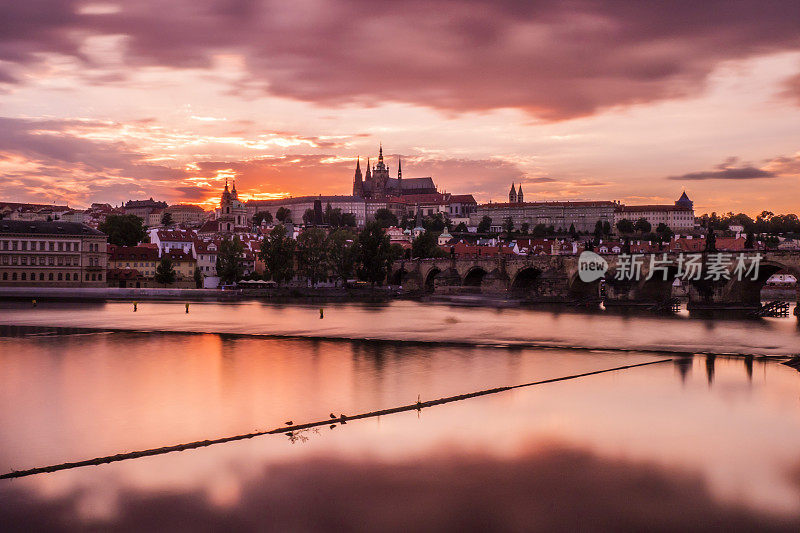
<point>399,170</point>
<point>519,194</point>
<point>358,188</point>
<point>233,191</point>
<point>380,154</point>
<point>369,172</point>
<point>226,185</point>
<point>512,194</point>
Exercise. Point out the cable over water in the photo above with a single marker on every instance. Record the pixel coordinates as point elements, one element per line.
<point>418,406</point>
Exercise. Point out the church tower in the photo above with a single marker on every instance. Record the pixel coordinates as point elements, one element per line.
<point>399,178</point>
<point>512,194</point>
<point>380,174</point>
<point>369,172</point>
<point>519,195</point>
<point>358,184</point>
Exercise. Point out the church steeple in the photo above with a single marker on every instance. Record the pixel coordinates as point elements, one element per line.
<point>512,194</point>
<point>233,191</point>
<point>380,154</point>
<point>399,170</point>
<point>519,195</point>
<point>357,181</point>
<point>369,172</point>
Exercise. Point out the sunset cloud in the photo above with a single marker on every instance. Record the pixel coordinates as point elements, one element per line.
<point>552,60</point>
<point>108,100</point>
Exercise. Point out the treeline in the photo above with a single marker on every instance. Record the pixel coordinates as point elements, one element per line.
<point>316,255</point>
<point>331,216</point>
<point>766,222</point>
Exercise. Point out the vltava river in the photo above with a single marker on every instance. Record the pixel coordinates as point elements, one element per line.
<point>703,442</point>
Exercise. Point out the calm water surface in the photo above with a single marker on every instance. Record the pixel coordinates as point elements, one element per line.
<point>705,442</point>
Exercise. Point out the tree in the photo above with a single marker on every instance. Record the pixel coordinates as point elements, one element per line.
<point>508,225</point>
<point>166,219</point>
<point>282,214</point>
<point>525,228</point>
<point>198,278</point>
<point>308,217</point>
<point>643,226</point>
<point>572,232</point>
<point>312,256</point>
<point>750,241</point>
<point>262,216</point>
<point>277,252</point>
<point>426,245</point>
<point>396,252</point>
<point>485,224</point>
<point>625,226</point>
<point>385,218</point>
<point>229,260</point>
<point>598,229</point>
<point>461,228</point>
<point>165,273</point>
<point>373,253</point>
<point>123,230</point>
<point>664,232</point>
<point>342,247</point>
<point>436,222</point>
<point>606,227</point>
<point>711,241</point>
<point>348,220</point>
<point>540,230</point>
<point>333,217</point>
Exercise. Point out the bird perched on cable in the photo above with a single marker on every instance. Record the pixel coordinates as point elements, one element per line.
<point>343,419</point>
<point>289,423</point>
<point>333,415</point>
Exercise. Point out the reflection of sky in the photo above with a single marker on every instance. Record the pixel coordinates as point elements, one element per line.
<point>408,320</point>
<point>69,398</point>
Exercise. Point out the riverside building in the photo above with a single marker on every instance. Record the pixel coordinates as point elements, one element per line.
<point>63,254</point>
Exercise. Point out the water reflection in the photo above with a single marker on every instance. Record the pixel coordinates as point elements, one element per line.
<point>414,321</point>
<point>710,427</point>
<point>544,487</point>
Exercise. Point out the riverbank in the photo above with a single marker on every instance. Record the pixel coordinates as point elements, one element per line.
<point>208,295</point>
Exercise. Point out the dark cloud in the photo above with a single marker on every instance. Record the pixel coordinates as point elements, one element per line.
<point>556,60</point>
<point>547,489</point>
<point>740,173</point>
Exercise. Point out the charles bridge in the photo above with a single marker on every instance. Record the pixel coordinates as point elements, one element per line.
<point>554,278</point>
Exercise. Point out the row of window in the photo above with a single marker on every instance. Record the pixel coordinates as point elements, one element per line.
<point>48,276</point>
<point>42,246</point>
<point>42,260</point>
<point>150,264</point>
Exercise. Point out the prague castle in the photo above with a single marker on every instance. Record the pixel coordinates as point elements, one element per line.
<point>377,183</point>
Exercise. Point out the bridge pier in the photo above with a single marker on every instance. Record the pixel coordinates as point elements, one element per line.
<point>550,287</point>
<point>447,281</point>
<point>495,282</point>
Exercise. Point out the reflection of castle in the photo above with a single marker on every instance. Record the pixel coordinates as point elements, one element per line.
<point>378,184</point>
<point>232,213</point>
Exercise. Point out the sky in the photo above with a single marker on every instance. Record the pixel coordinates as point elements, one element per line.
<point>575,100</point>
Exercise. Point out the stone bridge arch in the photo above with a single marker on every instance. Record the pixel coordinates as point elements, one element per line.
<point>746,292</point>
<point>474,276</point>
